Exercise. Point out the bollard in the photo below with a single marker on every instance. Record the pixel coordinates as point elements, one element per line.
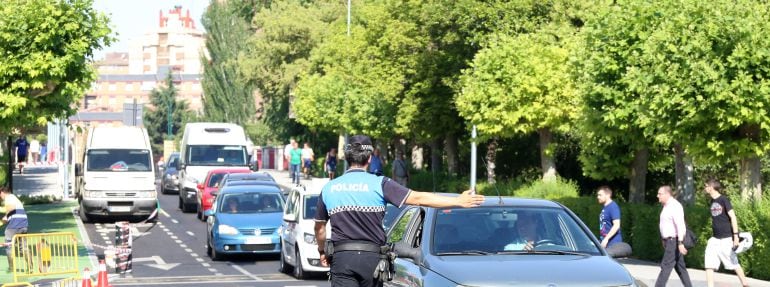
<point>123,242</point>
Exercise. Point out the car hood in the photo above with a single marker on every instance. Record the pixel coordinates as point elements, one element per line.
<point>531,270</point>
<point>251,220</point>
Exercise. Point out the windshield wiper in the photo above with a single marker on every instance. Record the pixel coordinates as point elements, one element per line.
<point>544,252</point>
<point>464,252</point>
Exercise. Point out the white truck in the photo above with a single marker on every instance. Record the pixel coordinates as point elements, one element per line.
<point>116,176</point>
<point>204,147</point>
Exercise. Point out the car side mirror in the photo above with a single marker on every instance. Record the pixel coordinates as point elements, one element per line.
<point>209,212</point>
<point>78,169</point>
<point>200,186</point>
<point>404,250</point>
<point>180,166</point>
<point>290,217</point>
<point>253,167</point>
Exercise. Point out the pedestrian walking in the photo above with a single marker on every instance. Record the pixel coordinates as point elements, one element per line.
<point>355,204</point>
<point>724,239</point>
<point>34,151</point>
<point>672,231</point>
<point>22,148</point>
<point>307,159</point>
<point>287,157</point>
<point>16,219</point>
<point>400,171</point>
<point>330,163</point>
<point>609,224</point>
<point>375,164</point>
<point>43,152</point>
<point>295,161</point>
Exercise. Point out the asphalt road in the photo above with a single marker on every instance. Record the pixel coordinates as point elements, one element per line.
<point>173,253</point>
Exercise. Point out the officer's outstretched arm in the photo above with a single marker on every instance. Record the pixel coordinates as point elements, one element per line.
<point>466,199</point>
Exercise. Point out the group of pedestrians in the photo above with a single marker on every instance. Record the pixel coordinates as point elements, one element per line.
<point>300,160</point>
<point>28,152</point>
<point>720,249</point>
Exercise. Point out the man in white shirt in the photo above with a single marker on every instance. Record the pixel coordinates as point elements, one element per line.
<point>307,159</point>
<point>672,231</point>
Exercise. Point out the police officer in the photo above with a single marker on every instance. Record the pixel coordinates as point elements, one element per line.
<point>356,203</point>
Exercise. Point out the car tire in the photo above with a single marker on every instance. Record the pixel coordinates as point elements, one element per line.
<point>162,188</point>
<point>299,273</point>
<point>208,246</point>
<point>283,267</point>
<point>215,256</point>
<point>83,216</point>
<point>181,204</point>
<point>199,213</point>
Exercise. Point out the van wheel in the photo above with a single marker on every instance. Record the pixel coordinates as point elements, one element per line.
<point>83,216</point>
<point>298,272</point>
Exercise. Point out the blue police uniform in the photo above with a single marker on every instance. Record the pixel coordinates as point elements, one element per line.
<point>355,204</point>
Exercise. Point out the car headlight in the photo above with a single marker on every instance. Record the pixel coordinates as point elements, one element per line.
<point>89,193</point>
<point>310,238</point>
<point>227,230</point>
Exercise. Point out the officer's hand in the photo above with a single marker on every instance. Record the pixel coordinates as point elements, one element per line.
<point>324,261</point>
<point>466,199</point>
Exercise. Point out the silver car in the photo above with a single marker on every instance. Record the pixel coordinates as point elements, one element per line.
<point>505,242</point>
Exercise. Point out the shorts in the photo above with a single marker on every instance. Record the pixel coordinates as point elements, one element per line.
<point>21,158</point>
<point>307,162</point>
<point>721,250</point>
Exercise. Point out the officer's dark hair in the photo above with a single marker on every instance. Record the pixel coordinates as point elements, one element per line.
<point>358,151</point>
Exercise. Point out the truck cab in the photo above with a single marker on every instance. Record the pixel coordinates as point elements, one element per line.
<point>116,176</point>
<point>205,147</point>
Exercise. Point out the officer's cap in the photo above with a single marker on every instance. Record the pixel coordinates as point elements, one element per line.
<point>361,142</point>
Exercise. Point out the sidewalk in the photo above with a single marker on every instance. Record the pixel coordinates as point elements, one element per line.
<point>38,181</point>
<point>647,272</point>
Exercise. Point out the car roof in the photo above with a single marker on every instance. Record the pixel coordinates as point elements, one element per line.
<point>494,200</point>
<point>314,187</point>
<point>229,170</point>
<point>250,176</point>
<point>249,188</point>
<point>250,182</point>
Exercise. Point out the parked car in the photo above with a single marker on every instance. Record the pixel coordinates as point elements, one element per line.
<point>245,178</point>
<point>245,219</point>
<point>169,180</point>
<point>299,249</point>
<point>484,246</point>
<point>209,186</point>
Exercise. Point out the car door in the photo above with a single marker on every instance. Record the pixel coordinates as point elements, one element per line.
<point>288,227</point>
<point>406,229</point>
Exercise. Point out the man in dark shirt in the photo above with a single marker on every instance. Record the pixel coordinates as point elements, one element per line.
<point>355,203</point>
<point>721,246</point>
<point>609,224</point>
<point>22,147</point>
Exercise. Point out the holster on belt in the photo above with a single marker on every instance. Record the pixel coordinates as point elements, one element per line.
<point>385,268</point>
<point>329,249</point>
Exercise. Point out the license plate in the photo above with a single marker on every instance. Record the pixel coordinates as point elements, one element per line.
<point>120,208</point>
<point>259,240</point>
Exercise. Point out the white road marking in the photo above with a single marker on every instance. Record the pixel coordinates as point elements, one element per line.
<point>199,259</point>
<point>206,265</point>
<point>194,255</point>
<point>174,237</point>
<point>240,269</point>
<point>213,270</point>
<point>178,241</point>
<point>188,250</point>
<point>174,221</point>
<point>183,245</point>
<point>190,233</point>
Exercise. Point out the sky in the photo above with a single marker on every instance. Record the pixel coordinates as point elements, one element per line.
<point>133,18</point>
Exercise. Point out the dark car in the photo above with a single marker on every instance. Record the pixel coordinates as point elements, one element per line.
<point>504,242</point>
<point>169,182</point>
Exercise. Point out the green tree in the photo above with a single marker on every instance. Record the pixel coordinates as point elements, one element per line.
<point>704,67</point>
<point>156,116</point>
<point>228,97</point>
<point>521,85</point>
<point>45,54</point>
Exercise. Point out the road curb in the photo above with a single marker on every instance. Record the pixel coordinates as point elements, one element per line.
<point>84,237</point>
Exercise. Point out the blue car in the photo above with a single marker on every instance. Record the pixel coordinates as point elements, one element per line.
<point>169,180</point>
<point>504,242</point>
<point>245,219</point>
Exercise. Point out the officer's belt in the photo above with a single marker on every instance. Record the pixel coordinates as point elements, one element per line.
<point>357,246</point>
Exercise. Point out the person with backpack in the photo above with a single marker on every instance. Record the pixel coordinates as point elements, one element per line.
<point>724,240</point>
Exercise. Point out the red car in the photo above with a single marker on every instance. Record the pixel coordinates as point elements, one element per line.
<point>210,185</point>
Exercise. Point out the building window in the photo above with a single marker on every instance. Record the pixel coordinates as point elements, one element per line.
<point>90,101</point>
<point>146,68</point>
<point>147,55</point>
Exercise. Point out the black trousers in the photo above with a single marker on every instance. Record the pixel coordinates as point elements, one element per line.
<point>354,269</point>
<point>672,259</point>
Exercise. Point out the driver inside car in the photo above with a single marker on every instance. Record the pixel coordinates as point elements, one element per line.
<point>528,231</point>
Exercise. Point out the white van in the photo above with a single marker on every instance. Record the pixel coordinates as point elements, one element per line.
<point>204,147</point>
<point>117,176</point>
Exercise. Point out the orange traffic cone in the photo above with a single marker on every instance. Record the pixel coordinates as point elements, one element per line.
<point>101,277</point>
<point>86,278</point>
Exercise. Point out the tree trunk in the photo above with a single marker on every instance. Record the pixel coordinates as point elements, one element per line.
<point>638,175</point>
<point>435,155</point>
<point>750,166</point>
<point>417,156</point>
<point>491,157</point>
<point>9,170</point>
<point>452,158</point>
<point>547,163</point>
<point>685,186</point>
<point>751,178</point>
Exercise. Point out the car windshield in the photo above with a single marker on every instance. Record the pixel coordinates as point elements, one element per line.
<point>216,155</point>
<point>119,160</point>
<point>172,162</point>
<point>251,202</point>
<point>508,230</point>
<point>311,203</point>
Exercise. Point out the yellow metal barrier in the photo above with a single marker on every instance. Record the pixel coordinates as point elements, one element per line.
<point>20,284</point>
<point>42,254</point>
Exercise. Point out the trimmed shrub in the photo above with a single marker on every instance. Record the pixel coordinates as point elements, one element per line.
<point>555,189</point>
